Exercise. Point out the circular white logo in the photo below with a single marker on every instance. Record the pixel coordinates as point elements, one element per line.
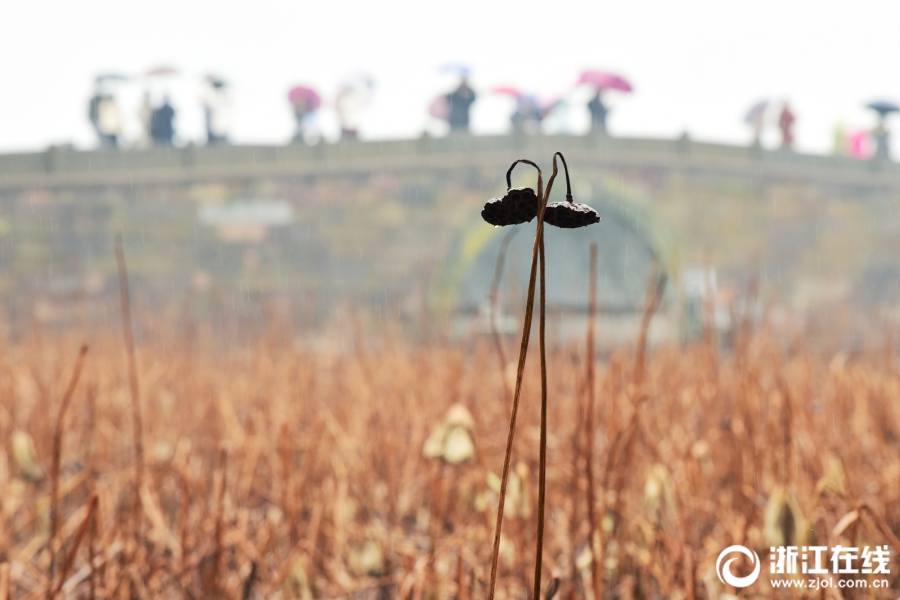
<point>724,572</point>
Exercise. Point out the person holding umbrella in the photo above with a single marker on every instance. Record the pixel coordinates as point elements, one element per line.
<point>354,94</point>
<point>598,111</point>
<point>103,111</point>
<point>454,107</point>
<point>880,133</point>
<point>601,81</point>
<point>304,102</point>
<point>216,102</point>
<point>756,118</point>
<point>459,101</point>
<point>786,124</point>
<point>162,124</point>
<point>528,115</point>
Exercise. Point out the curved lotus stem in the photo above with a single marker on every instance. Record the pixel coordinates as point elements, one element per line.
<point>566,168</point>
<point>513,166</point>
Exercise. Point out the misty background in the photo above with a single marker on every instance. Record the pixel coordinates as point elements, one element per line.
<point>696,66</point>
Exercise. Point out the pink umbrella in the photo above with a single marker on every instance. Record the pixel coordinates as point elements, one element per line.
<point>604,81</point>
<point>509,91</point>
<point>301,92</point>
<point>439,108</point>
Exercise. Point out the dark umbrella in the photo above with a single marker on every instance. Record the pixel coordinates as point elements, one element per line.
<point>216,81</point>
<point>883,107</point>
<point>111,78</point>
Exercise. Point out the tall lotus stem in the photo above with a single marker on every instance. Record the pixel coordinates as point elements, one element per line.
<point>520,370</point>
<point>596,548</point>
<point>521,205</point>
<point>542,476</point>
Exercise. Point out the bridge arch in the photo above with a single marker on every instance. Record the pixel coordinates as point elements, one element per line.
<point>629,237</point>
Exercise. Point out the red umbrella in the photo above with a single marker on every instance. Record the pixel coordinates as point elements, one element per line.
<point>510,91</point>
<point>604,81</point>
<point>161,71</point>
<point>301,92</point>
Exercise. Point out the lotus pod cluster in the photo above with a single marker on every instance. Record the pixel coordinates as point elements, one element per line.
<point>570,215</point>
<point>518,205</point>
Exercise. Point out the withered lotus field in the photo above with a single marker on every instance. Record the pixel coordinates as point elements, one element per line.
<point>275,472</point>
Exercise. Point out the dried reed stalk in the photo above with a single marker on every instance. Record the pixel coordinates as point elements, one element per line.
<point>218,552</point>
<point>462,590</point>
<point>4,581</point>
<point>621,446</point>
<point>656,287</point>
<point>92,589</point>
<point>137,423</point>
<point>520,371</point>
<point>690,573</point>
<point>70,557</point>
<point>596,546</point>
<point>184,515</point>
<point>882,525</point>
<point>57,453</point>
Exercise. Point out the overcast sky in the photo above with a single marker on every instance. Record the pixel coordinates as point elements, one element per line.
<point>696,65</point>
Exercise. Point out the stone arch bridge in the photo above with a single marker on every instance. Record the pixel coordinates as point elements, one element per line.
<point>395,224</point>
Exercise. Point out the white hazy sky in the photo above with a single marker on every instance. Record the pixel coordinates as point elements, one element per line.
<point>696,65</point>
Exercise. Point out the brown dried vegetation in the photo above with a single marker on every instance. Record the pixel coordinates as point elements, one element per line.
<point>273,471</point>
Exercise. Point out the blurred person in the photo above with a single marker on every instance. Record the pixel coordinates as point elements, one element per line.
<point>162,124</point>
<point>528,115</point>
<point>302,111</point>
<point>880,134</point>
<point>557,117</point>
<point>145,112</point>
<point>882,141</point>
<point>216,102</point>
<point>304,103</point>
<point>104,115</point>
<point>601,81</point>
<point>756,119</point>
<point>839,140</point>
<point>786,125</point>
<point>859,145</point>
<point>459,101</point>
<point>599,112</point>
<point>354,94</point>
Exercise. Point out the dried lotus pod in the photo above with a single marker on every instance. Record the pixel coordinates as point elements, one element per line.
<point>518,205</point>
<point>570,215</point>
